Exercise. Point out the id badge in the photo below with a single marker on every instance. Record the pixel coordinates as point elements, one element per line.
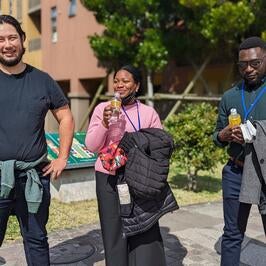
<point>123,193</point>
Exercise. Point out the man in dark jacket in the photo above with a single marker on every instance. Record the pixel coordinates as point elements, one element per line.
<point>249,98</point>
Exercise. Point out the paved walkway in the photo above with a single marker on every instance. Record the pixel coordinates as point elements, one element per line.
<point>191,237</point>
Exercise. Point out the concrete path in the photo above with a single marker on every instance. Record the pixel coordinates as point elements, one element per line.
<point>191,237</point>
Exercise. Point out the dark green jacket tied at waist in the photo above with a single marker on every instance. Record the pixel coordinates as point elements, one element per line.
<point>33,188</point>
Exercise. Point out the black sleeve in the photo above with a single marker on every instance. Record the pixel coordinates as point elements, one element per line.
<point>56,95</point>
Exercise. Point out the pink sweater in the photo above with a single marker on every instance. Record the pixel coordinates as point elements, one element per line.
<point>98,136</point>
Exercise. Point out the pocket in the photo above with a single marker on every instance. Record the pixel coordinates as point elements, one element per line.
<point>125,200</point>
<point>111,183</point>
<point>10,196</point>
<point>46,190</point>
<point>105,183</point>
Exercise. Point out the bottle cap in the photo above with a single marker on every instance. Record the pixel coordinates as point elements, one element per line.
<point>233,111</point>
<point>117,95</point>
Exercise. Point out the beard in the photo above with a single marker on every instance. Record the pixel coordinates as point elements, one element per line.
<point>254,80</point>
<point>253,83</point>
<point>14,61</point>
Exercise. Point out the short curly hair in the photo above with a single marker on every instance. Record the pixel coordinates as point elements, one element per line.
<point>252,42</point>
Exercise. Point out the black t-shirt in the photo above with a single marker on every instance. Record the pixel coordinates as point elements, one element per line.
<point>25,99</point>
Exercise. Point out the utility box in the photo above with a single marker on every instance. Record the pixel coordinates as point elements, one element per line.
<point>77,181</point>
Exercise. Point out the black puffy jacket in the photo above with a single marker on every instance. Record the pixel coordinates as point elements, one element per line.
<point>148,151</point>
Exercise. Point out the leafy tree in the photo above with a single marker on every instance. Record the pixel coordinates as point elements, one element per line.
<point>218,26</point>
<point>135,31</point>
<point>192,131</point>
<point>259,25</point>
<point>149,32</point>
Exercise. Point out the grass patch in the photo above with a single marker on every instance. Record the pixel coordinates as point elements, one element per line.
<point>62,216</point>
<point>209,186</point>
<point>70,215</point>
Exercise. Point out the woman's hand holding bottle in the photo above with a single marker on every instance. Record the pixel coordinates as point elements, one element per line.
<point>112,111</point>
<point>107,113</point>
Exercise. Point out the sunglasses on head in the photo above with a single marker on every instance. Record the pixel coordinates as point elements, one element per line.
<point>254,63</point>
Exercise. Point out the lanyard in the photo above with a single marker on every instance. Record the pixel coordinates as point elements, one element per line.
<point>130,119</point>
<point>247,112</point>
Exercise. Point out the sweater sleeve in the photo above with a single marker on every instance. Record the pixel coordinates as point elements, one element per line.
<point>96,133</point>
<point>155,120</point>
<point>222,122</point>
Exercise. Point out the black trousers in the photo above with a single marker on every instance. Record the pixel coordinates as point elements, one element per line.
<point>145,249</point>
<point>32,226</point>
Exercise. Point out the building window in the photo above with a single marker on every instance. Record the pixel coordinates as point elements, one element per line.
<point>72,8</point>
<point>54,24</point>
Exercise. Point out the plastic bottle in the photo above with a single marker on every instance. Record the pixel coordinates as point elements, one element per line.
<point>234,118</point>
<point>116,105</point>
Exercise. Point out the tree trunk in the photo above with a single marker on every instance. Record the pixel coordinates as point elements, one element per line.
<point>189,180</point>
<point>192,184</point>
<point>149,89</point>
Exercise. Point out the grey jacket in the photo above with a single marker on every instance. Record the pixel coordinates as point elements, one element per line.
<point>254,166</point>
<point>33,189</point>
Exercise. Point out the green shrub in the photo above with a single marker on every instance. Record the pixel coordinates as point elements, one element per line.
<point>192,131</point>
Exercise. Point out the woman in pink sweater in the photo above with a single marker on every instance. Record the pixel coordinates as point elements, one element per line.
<point>145,249</point>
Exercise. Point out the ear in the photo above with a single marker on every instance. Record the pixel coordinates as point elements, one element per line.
<point>23,38</point>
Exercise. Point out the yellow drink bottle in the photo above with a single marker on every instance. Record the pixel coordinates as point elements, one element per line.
<point>234,118</point>
<point>116,105</point>
<point>116,101</point>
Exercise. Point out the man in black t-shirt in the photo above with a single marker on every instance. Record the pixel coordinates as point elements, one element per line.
<point>26,95</point>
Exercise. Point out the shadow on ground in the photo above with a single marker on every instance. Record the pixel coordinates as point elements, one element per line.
<point>252,251</point>
<point>2,261</point>
<point>175,252</point>
<point>87,248</point>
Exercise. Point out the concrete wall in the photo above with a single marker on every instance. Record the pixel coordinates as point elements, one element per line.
<point>71,56</point>
<point>75,185</point>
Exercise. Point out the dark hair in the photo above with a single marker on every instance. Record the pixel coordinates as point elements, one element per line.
<point>252,42</point>
<point>12,21</point>
<point>136,74</point>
